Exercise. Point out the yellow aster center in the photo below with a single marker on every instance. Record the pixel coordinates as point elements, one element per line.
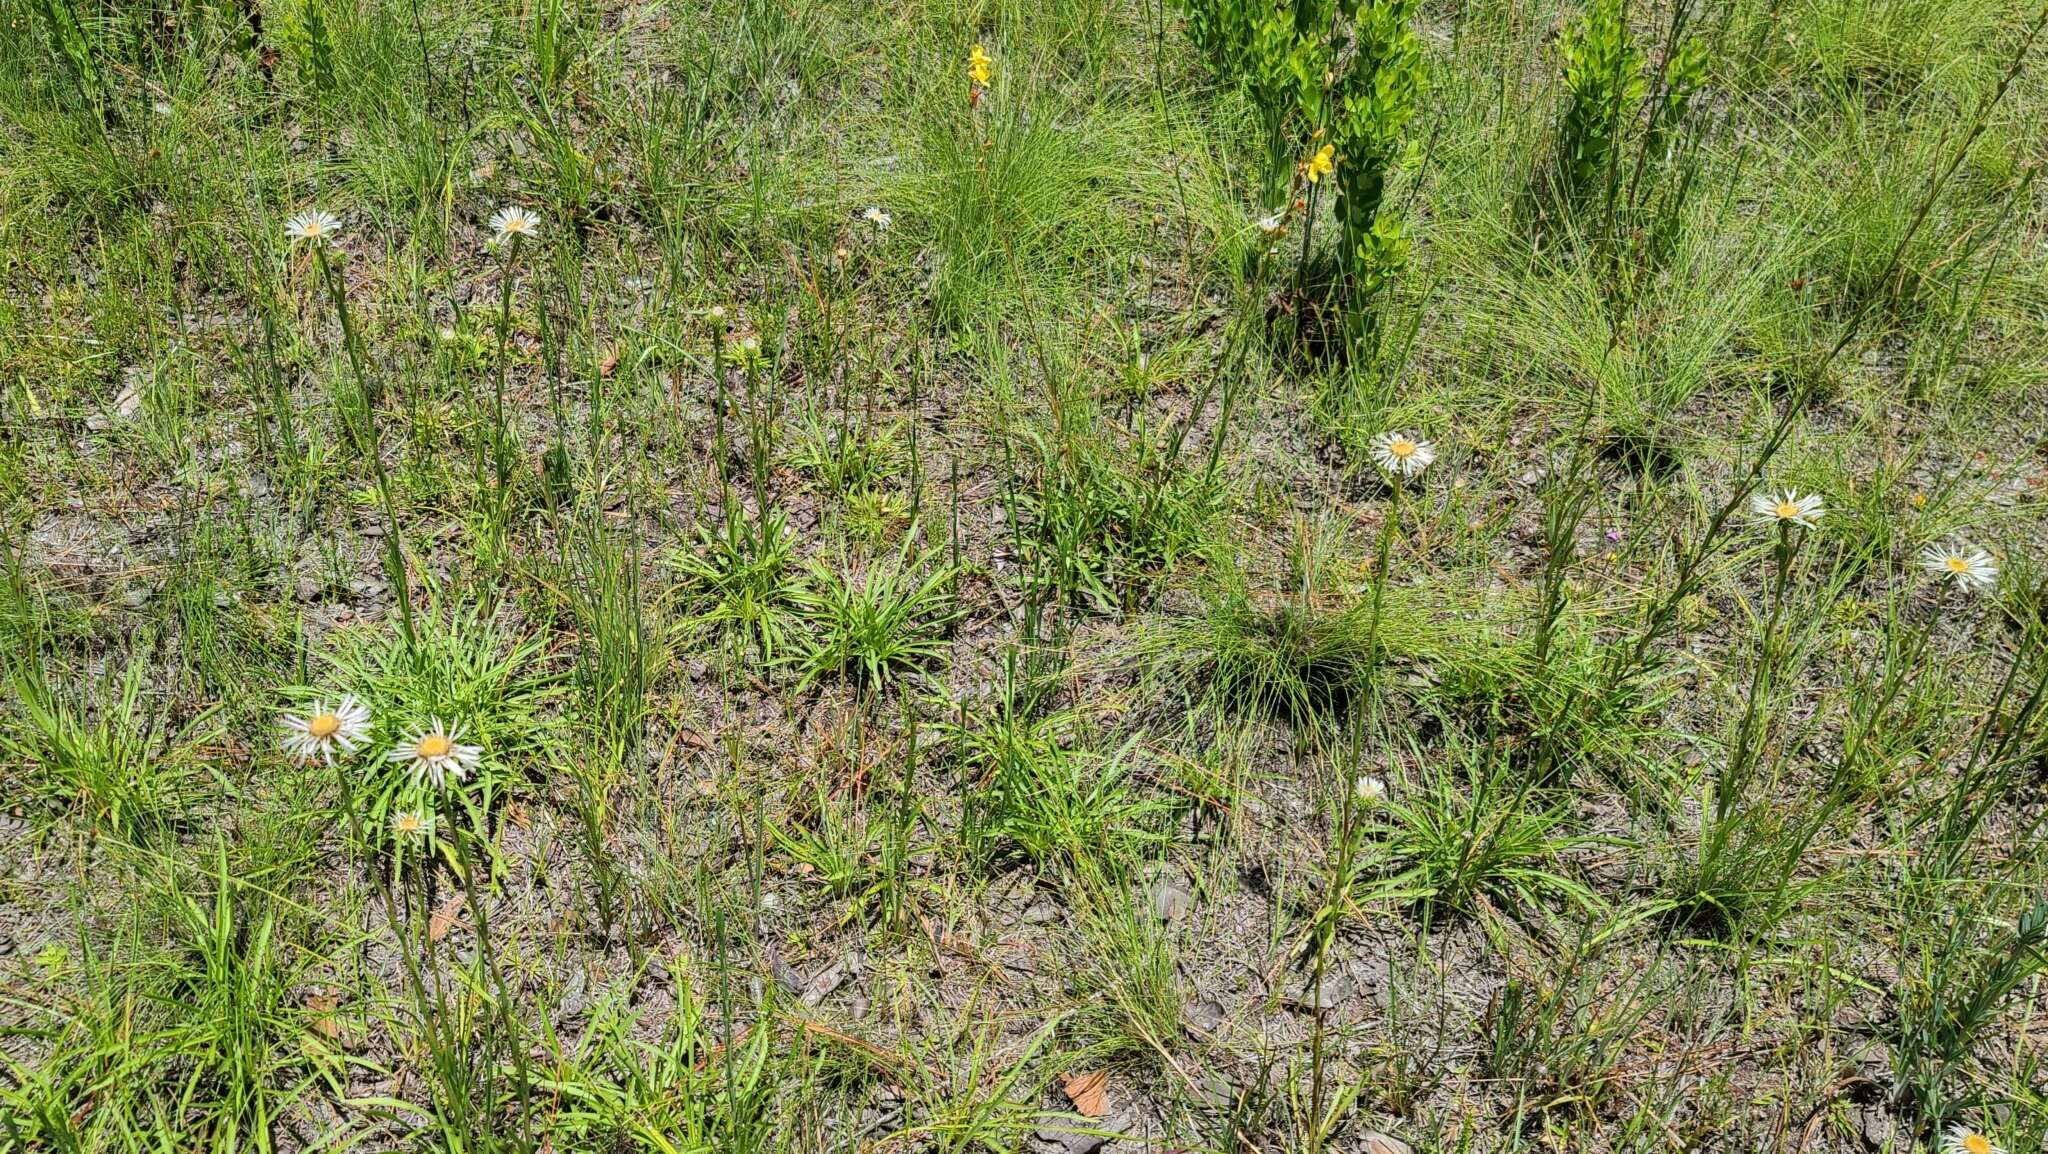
<point>1787,510</point>
<point>1962,565</point>
<point>1401,449</point>
<point>434,745</point>
<point>324,726</point>
<point>410,823</point>
<point>1976,1143</point>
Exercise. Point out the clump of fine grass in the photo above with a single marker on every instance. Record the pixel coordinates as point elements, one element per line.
<point>878,625</point>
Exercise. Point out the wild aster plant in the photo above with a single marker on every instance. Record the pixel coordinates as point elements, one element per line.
<point>437,755</point>
<point>1965,565</point>
<point>513,222</point>
<point>1790,507</point>
<point>315,227</point>
<point>1402,454</point>
<point>411,826</point>
<point>1960,1139</point>
<point>322,731</point>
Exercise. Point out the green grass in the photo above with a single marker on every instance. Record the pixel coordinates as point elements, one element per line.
<point>910,554</point>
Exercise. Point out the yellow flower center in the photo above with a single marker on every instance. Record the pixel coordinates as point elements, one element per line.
<point>1962,565</point>
<point>324,726</point>
<point>434,745</point>
<point>1787,510</point>
<point>1976,1143</point>
<point>410,823</point>
<point>1401,449</point>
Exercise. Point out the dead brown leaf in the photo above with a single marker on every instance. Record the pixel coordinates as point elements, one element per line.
<point>1089,1092</point>
<point>323,1004</point>
<point>444,918</point>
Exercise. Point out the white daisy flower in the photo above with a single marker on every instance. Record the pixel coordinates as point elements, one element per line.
<point>511,221</point>
<point>1960,1139</point>
<point>1273,224</point>
<point>437,755</point>
<point>313,226</point>
<point>412,825</point>
<point>874,215</point>
<point>1966,565</point>
<point>322,731</point>
<point>1369,790</point>
<point>1403,454</point>
<point>1803,509</point>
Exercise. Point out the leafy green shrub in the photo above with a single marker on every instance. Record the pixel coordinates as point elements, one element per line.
<point>1372,102</point>
<point>1604,88</point>
<point>1340,83</point>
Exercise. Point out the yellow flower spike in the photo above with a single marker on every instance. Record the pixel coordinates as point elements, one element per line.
<point>978,66</point>
<point>1321,164</point>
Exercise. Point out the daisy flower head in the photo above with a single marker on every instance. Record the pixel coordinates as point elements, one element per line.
<point>1369,790</point>
<point>1402,454</point>
<point>314,226</point>
<point>979,67</point>
<point>1790,507</point>
<point>1273,224</point>
<point>437,754</point>
<point>513,221</point>
<point>322,731</point>
<point>1966,565</point>
<point>1960,1139</point>
<point>875,215</point>
<point>1321,164</point>
<point>412,825</point>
